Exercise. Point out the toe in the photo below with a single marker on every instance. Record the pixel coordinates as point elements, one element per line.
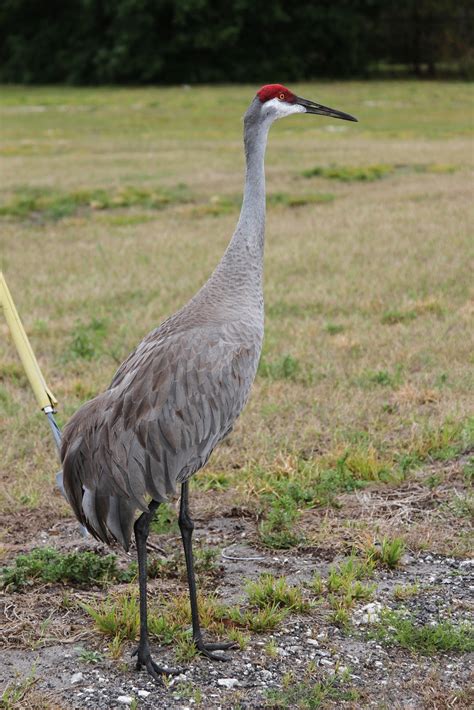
<point>165,671</point>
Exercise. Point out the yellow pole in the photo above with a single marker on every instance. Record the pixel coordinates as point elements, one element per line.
<point>43,394</point>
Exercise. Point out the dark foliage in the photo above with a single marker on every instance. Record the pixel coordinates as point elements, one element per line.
<point>172,41</point>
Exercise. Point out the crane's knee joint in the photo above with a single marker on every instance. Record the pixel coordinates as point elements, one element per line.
<point>185,522</point>
<point>142,525</point>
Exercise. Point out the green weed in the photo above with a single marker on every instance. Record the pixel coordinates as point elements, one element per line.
<point>309,694</point>
<point>54,204</point>
<point>444,636</point>
<point>205,560</point>
<point>270,591</point>
<point>89,656</point>
<point>339,614</point>
<point>16,691</point>
<point>405,591</point>
<point>239,637</point>
<point>347,173</point>
<point>369,378</point>
<point>393,317</point>
<point>118,618</point>
<point>286,200</point>
<point>165,520</point>
<point>162,628</point>
<point>345,580</point>
<point>212,481</point>
<point>271,648</point>
<point>277,530</point>
<point>445,442</point>
<point>49,566</point>
<point>388,553</point>
<point>286,367</point>
<point>87,339</point>
<point>333,328</point>
<point>262,620</point>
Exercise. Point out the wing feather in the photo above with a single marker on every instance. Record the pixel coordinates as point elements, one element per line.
<point>168,406</point>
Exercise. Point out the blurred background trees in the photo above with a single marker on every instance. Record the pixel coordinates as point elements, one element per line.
<point>175,41</point>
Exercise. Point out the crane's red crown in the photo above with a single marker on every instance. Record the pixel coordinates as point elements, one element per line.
<point>275,91</point>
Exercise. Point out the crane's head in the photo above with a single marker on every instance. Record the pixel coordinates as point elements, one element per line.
<point>277,101</point>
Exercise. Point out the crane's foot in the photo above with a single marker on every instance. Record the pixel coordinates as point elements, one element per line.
<point>206,649</point>
<point>157,672</point>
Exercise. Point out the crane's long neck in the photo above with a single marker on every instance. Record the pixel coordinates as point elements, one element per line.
<point>250,230</point>
<point>241,267</point>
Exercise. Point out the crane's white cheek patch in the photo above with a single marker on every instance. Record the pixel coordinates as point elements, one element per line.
<point>279,109</point>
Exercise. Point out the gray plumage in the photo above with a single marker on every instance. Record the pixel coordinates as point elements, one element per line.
<point>179,393</point>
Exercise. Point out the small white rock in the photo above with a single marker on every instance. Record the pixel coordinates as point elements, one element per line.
<point>143,693</point>
<point>369,614</point>
<point>76,678</point>
<point>313,642</point>
<point>228,683</point>
<point>125,699</point>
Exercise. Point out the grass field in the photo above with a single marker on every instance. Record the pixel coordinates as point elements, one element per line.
<point>116,204</point>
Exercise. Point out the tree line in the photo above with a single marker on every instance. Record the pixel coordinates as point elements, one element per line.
<point>192,41</point>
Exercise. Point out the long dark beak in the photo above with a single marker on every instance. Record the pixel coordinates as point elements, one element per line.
<point>312,107</point>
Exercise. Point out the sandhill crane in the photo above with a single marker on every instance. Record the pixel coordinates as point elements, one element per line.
<point>180,391</point>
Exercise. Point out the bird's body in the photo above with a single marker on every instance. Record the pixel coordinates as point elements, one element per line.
<point>170,403</point>
<point>181,390</point>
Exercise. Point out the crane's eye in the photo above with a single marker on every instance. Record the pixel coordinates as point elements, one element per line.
<point>282,97</point>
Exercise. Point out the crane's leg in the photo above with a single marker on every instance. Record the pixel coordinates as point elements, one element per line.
<point>187,526</point>
<point>142,529</point>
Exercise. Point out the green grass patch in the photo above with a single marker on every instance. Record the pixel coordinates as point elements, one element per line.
<point>285,367</point>
<point>348,173</point>
<point>344,586</point>
<point>333,328</point>
<point>47,565</point>
<point>169,619</point>
<point>13,372</point>
<point>172,566</point>
<point>406,591</point>
<point>284,199</point>
<point>52,204</point>
<point>211,480</point>
<point>118,618</point>
<point>444,636</point>
<point>371,173</point>
<point>388,553</point>
<point>311,692</point>
<point>265,619</point>
<point>165,520</point>
<point>445,442</point>
<point>270,591</point>
<point>14,694</point>
<point>86,341</point>
<point>90,656</point>
<point>284,494</point>
<point>382,378</point>
<point>394,316</point>
<point>277,531</point>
